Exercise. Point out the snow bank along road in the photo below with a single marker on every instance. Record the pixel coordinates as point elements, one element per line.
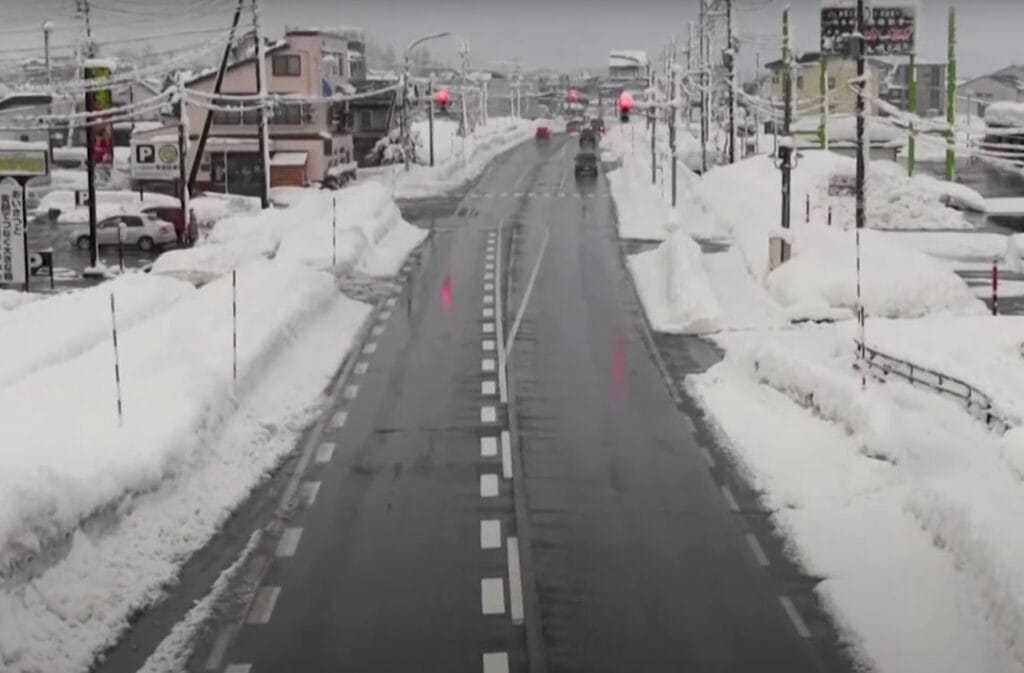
<point>566,519</point>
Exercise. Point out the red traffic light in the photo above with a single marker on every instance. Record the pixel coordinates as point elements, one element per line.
<point>444,97</point>
<point>626,101</point>
<point>574,95</point>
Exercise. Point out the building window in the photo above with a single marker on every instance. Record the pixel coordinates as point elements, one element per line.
<point>365,120</point>
<point>800,82</point>
<point>831,83</point>
<point>775,79</point>
<point>292,113</point>
<point>286,65</point>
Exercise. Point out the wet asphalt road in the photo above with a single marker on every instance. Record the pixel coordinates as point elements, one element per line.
<point>403,553</point>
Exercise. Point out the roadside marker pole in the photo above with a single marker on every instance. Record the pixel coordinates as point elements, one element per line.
<point>860,320</point>
<point>807,216</point>
<point>334,231</point>
<point>234,326</point>
<point>995,287</point>
<point>117,361</point>
<point>830,214</point>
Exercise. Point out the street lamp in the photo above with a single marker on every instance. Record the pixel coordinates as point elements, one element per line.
<point>406,136</point>
<point>47,29</point>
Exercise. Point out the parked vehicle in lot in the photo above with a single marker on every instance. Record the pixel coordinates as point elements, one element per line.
<point>586,163</point>
<point>146,232</point>
<point>172,216</point>
<point>543,132</point>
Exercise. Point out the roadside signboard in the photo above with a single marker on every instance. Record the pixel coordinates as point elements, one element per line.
<point>155,160</point>
<point>13,268</point>
<point>100,99</point>
<point>890,30</point>
<point>23,163</point>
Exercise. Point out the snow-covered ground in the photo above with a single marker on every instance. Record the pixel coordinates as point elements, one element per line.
<point>900,499</point>
<point>108,203</point>
<point>96,516</point>
<point>456,160</point>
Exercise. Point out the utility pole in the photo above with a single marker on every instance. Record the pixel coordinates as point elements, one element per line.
<point>654,124</point>
<point>261,81</point>
<point>951,98</point>
<point>823,88</point>
<point>673,113</point>
<point>757,108</point>
<point>84,12</point>
<point>208,121</point>
<point>430,115</point>
<point>861,150</point>
<point>786,150</point>
<point>90,158</point>
<point>689,73</point>
<point>183,132</point>
<point>703,88</point>
<point>912,104</point>
<point>47,28</point>
<point>730,53</point>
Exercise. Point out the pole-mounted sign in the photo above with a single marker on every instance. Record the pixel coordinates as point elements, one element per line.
<point>19,163</point>
<point>890,30</point>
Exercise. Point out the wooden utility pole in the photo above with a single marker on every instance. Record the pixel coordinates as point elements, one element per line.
<point>730,55</point>
<point>703,65</point>
<point>261,81</point>
<point>951,98</point>
<point>861,112</point>
<point>786,150</point>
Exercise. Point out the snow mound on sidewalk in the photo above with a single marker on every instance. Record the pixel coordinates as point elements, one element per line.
<point>674,288</point>
<point>891,486</point>
<point>896,281</point>
<point>176,374</point>
<point>303,231</point>
<point>47,332</point>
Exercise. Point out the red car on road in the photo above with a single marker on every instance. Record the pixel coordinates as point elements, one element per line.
<point>543,133</point>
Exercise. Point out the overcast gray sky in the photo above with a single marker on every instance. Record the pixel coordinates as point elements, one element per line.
<point>563,34</point>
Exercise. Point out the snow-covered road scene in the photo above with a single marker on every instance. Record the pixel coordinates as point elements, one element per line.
<point>584,338</point>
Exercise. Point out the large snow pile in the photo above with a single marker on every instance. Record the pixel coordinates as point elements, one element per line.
<point>303,230</point>
<point>47,332</point>
<point>905,505</point>
<point>896,281</point>
<point>842,128</point>
<point>457,160</point>
<point>674,288</point>
<point>211,207</point>
<point>192,445</point>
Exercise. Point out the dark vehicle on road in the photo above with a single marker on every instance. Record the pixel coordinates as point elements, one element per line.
<point>588,140</point>
<point>597,126</point>
<point>586,163</point>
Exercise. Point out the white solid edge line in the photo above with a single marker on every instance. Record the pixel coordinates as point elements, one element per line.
<point>490,534</point>
<point>338,421</point>
<point>506,454</point>
<point>515,582</point>
<point>488,447</point>
<point>794,616</point>
<point>289,542</point>
<point>495,662</point>
<point>729,498</point>
<point>492,595</point>
<point>263,605</point>
<point>238,668</point>
<point>324,452</point>
<point>488,485</point>
<point>755,547</point>
<point>488,414</point>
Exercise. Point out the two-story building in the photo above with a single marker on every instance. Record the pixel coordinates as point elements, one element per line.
<point>931,88</point>
<point>308,137</point>
<point>839,72</point>
<point>1002,86</point>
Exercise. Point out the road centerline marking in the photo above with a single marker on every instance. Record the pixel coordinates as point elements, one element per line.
<point>794,616</point>
<point>490,534</point>
<point>492,595</point>
<point>755,547</point>
<point>730,499</point>
<point>488,485</point>
<point>494,662</point>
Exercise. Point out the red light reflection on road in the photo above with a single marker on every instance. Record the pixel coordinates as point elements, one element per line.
<point>620,372</point>
<point>447,295</point>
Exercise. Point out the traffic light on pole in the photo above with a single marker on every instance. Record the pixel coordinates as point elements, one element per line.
<point>443,98</point>
<point>625,105</point>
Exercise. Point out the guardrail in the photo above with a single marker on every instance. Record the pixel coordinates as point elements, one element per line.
<point>978,403</point>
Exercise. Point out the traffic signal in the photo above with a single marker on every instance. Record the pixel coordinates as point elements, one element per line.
<point>625,105</point>
<point>574,95</point>
<point>443,98</point>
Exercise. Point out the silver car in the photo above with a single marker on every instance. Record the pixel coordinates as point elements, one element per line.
<point>146,232</point>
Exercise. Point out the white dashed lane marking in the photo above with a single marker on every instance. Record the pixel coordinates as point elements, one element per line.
<point>361,368</point>
<point>487,365</point>
<point>488,312</point>
<point>377,330</point>
<point>489,266</point>
<point>755,547</point>
<point>488,447</point>
<point>370,347</point>
<point>338,420</point>
<point>247,668</point>
<point>351,391</point>
<point>490,534</point>
<point>289,542</point>
<point>488,287</point>
<point>488,344</point>
<point>488,388</point>
<point>730,499</point>
<point>488,299</point>
<point>488,485</point>
<point>492,596</point>
<point>263,606</point>
<point>390,303</point>
<point>794,616</point>
<point>488,328</point>
<point>488,414</point>
<point>384,315</point>
<point>308,492</point>
<point>324,453</point>
<point>495,662</point>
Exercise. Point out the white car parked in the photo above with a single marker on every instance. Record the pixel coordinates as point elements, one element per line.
<point>147,232</point>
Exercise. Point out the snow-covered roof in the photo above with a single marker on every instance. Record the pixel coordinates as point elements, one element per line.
<point>625,58</point>
<point>23,146</point>
<point>1005,113</point>
<point>289,159</point>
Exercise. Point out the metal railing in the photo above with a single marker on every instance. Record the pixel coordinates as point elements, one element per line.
<point>978,403</point>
